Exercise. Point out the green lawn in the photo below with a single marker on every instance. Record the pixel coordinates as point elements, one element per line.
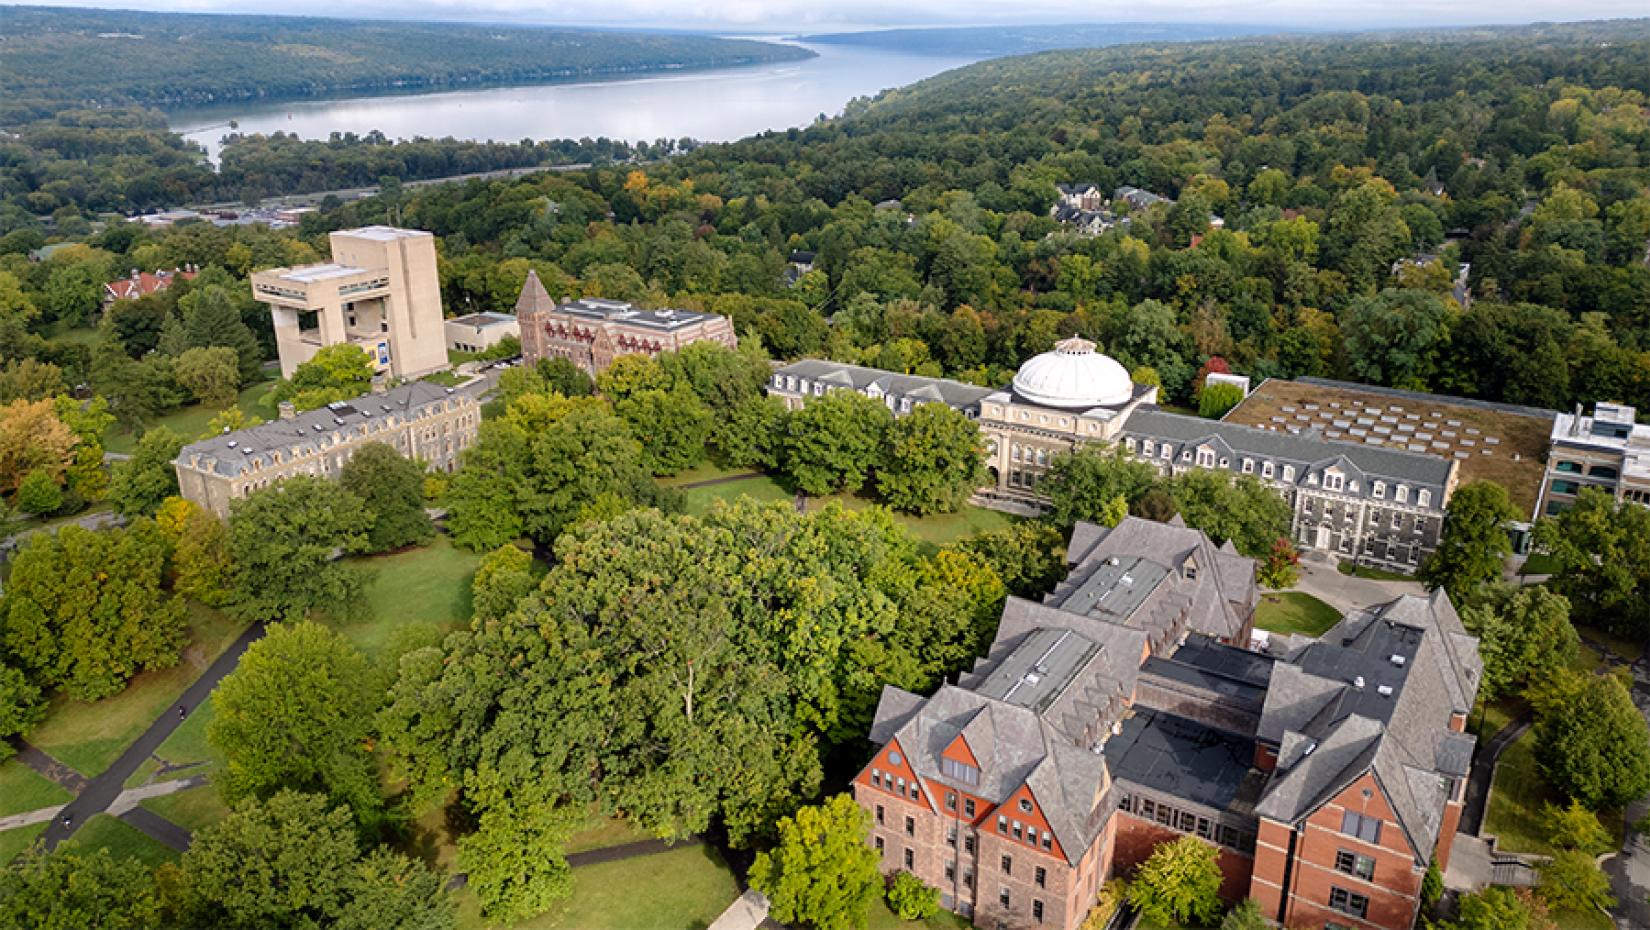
<point>940,529</point>
<point>1373,574</point>
<point>123,840</point>
<point>195,809</point>
<point>428,586</point>
<point>603,832</point>
<point>762,488</point>
<point>1295,612</point>
<point>89,737</point>
<point>22,790</point>
<point>705,471</point>
<point>444,378</point>
<point>1516,798</point>
<point>672,890</point>
<point>13,842</point>
<point>1539,563</point>
<point>191,421</point>
<point>882,918</point>
<point>1628,649</point>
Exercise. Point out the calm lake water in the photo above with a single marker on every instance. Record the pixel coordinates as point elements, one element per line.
<point>712,106</point>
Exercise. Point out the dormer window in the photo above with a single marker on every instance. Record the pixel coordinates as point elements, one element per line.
<point>1401,494</point>
<point>1248,466</point>
<point>1423,497</point>
<point>1378,489</point>
<point>1145,446</point>
<point>1166,453</point>
<point>959,771</point>
<point>1333,481</point>
<point>1205,458</point>
<point>1189,570</point>
<point>1288,471</point>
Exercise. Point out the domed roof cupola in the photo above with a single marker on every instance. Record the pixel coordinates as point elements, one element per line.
<point>1074,375</point>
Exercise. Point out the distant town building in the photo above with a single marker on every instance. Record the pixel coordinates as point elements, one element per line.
<point>1139,199</point>
<point>1124,711</point>
<point>1084,208</point>
<point>380,292</point>
<point>593,332</point>
<point>478,332</point>
<point>1609,450</point>
<point>1381,505</point>
<point>143,283</point>
<point>421,420</point>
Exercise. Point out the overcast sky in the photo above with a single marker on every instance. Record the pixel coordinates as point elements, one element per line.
<point>812,15</point>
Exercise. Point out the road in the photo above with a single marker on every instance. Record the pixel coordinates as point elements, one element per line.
<point>101,791</point>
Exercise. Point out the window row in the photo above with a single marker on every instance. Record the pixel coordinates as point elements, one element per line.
<point>1188,822</point>
<point>1023,832</point>
<point>897,785</point>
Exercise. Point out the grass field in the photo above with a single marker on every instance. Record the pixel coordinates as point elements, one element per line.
<point>881,918</point>
<point>13,842</point>
<point>22,790</point>
<point>762,488</point>
<point>123,839</point>
<point>186,744</point>
<point>428,586</point>
<point>1517,800</point>
<point>1624,648</point>
<point>672,890</point>
<point>1373,574</point>
<point>1295,612</point>
<point>938,529</point>
<point>195,809</point>
<point>191,421</point>
<point>705,471</point>
<point>89,737</point>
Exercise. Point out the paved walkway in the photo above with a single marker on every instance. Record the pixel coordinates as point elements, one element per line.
<point>125,801</point>
<point>49,768</point>
<point>158,828</point>
<point>1349,592</point>
<point>102,791</point>
<point>1483,774</point>
<point>745,913</point>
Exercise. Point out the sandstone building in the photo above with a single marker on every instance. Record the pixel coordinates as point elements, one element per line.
<point>1123,712</point>
<point>420,420</point>
<point>592,332</point>
<point>380,292</point>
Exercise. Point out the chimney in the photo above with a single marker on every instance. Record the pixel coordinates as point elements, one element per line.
<point>287,409</point>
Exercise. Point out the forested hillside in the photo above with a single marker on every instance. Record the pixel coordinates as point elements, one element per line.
<point>65,55</point>
<point>996,41</point>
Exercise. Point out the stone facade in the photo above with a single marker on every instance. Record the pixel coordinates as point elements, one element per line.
<point>422,421</point>
<point>380,292</point>
<point>592,332</point>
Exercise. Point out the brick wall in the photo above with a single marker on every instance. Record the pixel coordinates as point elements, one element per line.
<point>1135,839</point>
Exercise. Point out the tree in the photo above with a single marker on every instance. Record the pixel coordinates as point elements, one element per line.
<point>71,890</point>
<point>515,859</point>
<point>21,707</point>
<point>28,379</point>
<point>932,462</point>
<point>39,494</point>
<point>228,420</point>
<point>1245,916</point>
<point>1602,551</point>
<point>563,377</point>
<point>392,488</point>
<point>504,577</point>
<point>1590,740</point>
<point>1281,567</point>
<point>672,425</point>
<point>1576,827</point>
<point>1083,484</point>
<point>1395,337</point>
<point>32,438</point>
<point>201,566</point>
<point>1474,546</point>
<point>751,435</point>
<point>296,713</point>
<point>1218,398</point>
<point>212,319</point>
<point>138,485</point>
<point>86,610</point>
<point>137,391</point>
<point>1028,556</point>
<point>283,540</point>
<point>912,899</point>
<point>834,442</point>
<point>583,455</point>
<point>629,375</point>
<point>1572,881</point>
<point>1179,883</point>
<point>294,862</point>
<point>821,873</point>
<point>337,372</point>
<point>1241,509</point>
<point>1524,637</point>
<point>1501,908</point>
<point>210,374</point>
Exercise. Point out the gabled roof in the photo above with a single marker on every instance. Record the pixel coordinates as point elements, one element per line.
<point>874,380</point>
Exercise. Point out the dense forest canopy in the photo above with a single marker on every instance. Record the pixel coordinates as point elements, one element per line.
<point>176,58</point>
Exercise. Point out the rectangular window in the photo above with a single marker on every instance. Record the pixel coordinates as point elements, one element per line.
<point>879,814</point>
<point>1353,864</point>
<point>1289,473</point>
<point>1048,842</point>
<point>1403,494</point>
<point>1002,825</point>
<point>968,878</point>
<point>1348,902</point>
<point>1148,808</point>
<point>1017,830</point>
<point>878,843</point>
<point>910,826</point>
<point>901,783</point>
<point>1037,911</point>
<point>1248,466</point>
<point>951,800</point>
<point>1008,865</point>
<point>1040,877</point>
<point>968,843</point>
<point>959,771</point>
<point>916,793</point>
<point>950,871</point>
<point>1379,490</point>
<point>1364,828</point>
<point>1031,835</point>
<point>876,777</point>
<point>968,807</point>
<point>909,859</point>
<point>1003,899</point>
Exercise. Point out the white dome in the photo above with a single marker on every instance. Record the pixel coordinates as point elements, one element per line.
<point>1074,375</point>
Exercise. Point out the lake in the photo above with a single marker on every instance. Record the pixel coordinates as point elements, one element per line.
<point>713,106</point>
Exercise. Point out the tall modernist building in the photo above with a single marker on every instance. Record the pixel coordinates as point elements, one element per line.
<point>1378,505</point>
<point>592,332</point>
<point>1124,711</point>
<point>380,292</point>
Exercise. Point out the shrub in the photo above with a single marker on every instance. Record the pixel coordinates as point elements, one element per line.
<point>911,898</point>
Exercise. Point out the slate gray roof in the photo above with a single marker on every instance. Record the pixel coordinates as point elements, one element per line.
<point>1375,694</point>
<point>1309,452</point>
<point>628,314</point>
<point>965,397</point>
<point>232,454</point>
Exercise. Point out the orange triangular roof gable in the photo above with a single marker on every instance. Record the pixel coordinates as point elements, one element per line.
<point>958,751</point>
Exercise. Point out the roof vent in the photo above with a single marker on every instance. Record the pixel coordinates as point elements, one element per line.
<point>319,427</point>
<point>1032,678</point>
<point>233,443</point>
<point>1358,682</point>
<point>1384,691</point>
<point>246,450</point>
<point>1112,560</point>
<point>1398,660</point>
<point>449,390</point>
<point>1308,750</point>
<point>1126,579</point>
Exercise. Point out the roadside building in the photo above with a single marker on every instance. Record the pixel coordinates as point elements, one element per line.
<point>143,283</point>
<point>380,292</point>
<point>1609,450</point>
<point>421,420</point>
<point>1123,712</point>
<point>593,332</point>
<point>478,332</point>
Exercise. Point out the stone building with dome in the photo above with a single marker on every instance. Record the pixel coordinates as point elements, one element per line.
<point>1373,505</point>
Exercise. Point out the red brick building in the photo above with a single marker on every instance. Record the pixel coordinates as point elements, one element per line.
<point>592,332</point>
<point>142,283</point>
<point>1126,710</point>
